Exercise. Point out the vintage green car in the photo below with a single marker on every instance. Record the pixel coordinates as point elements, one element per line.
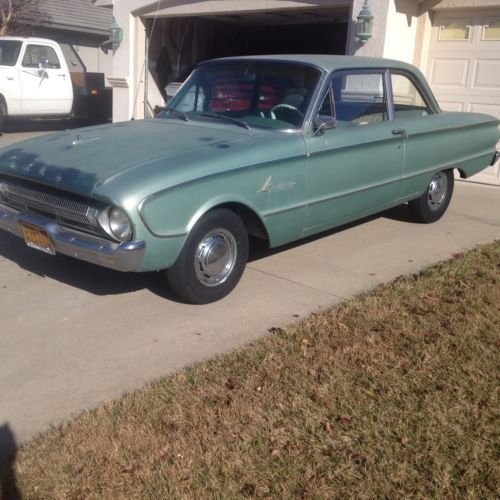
<point>276,147</point>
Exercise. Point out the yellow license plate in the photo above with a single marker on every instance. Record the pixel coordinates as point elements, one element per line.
<point>36,237</point>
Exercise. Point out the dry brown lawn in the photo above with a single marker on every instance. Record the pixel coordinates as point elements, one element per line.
<point>392,394</point>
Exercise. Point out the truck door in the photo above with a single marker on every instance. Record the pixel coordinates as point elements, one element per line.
<point>9,79</point>
<point>45,81</point>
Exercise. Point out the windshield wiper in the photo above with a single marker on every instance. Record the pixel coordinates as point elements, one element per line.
<point>176,112</point>
<point>241,123</point>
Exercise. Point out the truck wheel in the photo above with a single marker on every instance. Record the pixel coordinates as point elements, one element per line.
<point>212,260</point>
<point>432,205</point>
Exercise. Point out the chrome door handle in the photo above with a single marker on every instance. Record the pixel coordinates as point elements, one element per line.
<point>400,131</point>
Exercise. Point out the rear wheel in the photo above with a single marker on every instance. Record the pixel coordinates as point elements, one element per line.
<point>212,260</point>
<point>433,203</point>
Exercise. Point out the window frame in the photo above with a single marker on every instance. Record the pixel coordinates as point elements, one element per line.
<point>416,82</point>
<point>328,85</point>
<point>387,73</point>
<point>33,44</point>
<point>18,58</point>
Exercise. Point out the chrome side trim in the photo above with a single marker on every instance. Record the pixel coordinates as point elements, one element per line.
<point>330,198</point>
<point>284,210</point>
<point>105,253</point>
<point>431,170</point>
<point>357,145</point>
<point>449,129</point>
<point>357,191</point>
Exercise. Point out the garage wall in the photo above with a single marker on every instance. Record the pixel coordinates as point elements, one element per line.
<point>401,31</point>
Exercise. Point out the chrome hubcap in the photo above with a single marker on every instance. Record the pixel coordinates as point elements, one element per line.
<point>437,190</point>
<point>215,257</point>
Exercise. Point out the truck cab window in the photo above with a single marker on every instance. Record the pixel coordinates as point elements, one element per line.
<point>9,52</point>
<point>37,56</point>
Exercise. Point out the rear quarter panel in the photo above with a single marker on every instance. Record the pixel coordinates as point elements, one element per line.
<point>447,140</point>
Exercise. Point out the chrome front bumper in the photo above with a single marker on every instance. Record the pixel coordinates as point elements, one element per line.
<point>118,256</point>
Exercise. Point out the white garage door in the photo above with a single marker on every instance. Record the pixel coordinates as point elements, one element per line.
<point>464,66</point>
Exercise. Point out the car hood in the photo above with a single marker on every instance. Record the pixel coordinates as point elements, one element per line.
<point>82,159</point>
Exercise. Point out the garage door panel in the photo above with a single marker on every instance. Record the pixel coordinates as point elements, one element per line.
<point>450,72</point>
<point>464,66</point>
<point>489,109</point>
<point>487,74</point>
<point>451,105</point>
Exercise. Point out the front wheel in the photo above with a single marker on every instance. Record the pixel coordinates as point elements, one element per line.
<point>433,203</point>
<point>212,260</point>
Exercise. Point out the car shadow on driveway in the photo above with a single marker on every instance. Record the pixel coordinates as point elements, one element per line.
<point>102,281</point>
<point>76,273</point>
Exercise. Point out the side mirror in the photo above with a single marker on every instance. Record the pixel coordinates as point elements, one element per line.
<point>320,126</point>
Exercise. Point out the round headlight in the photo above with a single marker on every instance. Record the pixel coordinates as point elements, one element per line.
<point>119,224</point>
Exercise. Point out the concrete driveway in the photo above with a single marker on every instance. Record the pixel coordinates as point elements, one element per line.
<point>73,335</point>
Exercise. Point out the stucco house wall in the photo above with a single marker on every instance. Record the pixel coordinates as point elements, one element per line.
<point>401,30</point>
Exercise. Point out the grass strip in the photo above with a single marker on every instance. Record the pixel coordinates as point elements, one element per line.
<point>391,394</point>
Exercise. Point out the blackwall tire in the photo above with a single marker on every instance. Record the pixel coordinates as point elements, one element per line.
<point>212,260</point>
<point>433,203</point>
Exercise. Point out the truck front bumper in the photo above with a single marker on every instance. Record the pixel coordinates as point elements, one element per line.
<point>118,256</point>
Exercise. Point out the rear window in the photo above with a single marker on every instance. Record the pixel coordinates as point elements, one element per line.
<point>9,52</point>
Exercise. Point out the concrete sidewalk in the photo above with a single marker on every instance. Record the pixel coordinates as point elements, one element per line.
<point>73,335</point>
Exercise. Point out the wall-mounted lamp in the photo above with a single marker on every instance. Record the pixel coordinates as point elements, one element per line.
<point>365,23</point>
<point>115,37</point>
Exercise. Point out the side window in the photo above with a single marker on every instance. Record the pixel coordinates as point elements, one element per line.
<point>408,101</point>
<point>37,56</point>
<point>359,98</point>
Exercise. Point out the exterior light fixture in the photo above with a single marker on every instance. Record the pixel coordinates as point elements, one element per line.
<point>365,23</point>
<point>115,35</point>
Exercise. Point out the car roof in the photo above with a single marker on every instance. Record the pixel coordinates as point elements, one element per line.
<point>327,62</point>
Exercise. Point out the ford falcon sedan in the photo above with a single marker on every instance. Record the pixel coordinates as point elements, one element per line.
<point>274,147</point>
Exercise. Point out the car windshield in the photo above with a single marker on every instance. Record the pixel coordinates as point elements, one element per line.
<point>247,93</point>
<point>9,52</point>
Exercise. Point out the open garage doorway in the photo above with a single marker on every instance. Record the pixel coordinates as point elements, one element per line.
<point>177,44</point>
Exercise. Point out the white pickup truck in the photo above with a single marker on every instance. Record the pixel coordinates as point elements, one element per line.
<point>36,81</point>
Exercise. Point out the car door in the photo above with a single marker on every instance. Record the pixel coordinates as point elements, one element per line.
<point>428,135</point>
<point>354,166</point>
<point>45,83</point>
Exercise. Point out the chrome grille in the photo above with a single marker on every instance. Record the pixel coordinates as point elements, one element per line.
<point>29,196</point>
